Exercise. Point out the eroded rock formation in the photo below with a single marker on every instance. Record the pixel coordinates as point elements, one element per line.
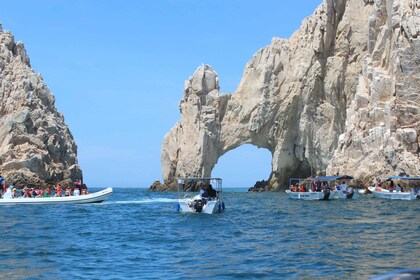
<point>36,145</point>
<point>340,96</point>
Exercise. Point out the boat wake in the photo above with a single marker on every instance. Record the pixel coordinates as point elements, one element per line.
<point>143,201</point>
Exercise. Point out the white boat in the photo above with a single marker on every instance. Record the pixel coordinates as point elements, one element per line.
<point>380,190</point>
<point>313,188</point>
<point>209,200</point>
<point>79,199</point>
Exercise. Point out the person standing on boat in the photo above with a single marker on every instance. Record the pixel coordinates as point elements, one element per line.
<point>391,187</point>
<point>3,184</point>
<point>343,187</point>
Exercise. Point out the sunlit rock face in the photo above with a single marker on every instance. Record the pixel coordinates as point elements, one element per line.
<point>340,96</point>
<point>36,145</point>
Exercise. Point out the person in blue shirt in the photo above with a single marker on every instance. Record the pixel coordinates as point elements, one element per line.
<point>3,184</point>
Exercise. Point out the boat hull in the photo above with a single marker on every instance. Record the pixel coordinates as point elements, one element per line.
<point>385,194</point>
<point>80,199</point>
<point>343,195</point>
<point>211,207</point>
<point>310,195</point>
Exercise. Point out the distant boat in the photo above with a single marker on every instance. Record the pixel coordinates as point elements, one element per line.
<point>79,199</point>
<point>209,201</point>
<point>319,188</point>
<point>388,190</point>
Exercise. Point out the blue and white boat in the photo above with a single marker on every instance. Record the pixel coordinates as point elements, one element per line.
<point>320,188</point>
<point>208,201</point>
<point>389,187</point>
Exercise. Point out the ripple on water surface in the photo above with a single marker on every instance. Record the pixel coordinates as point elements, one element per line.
<point>138,234</point>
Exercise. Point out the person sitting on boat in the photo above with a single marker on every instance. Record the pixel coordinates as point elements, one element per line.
<point>292,188</point>
<point>204,194</point>
<point>212,192</point>
<point>76,187</point>
<point>68,192</point>
<point>58,190</point>
<point>83,189</point>
<point>47,193</point>
<point>203,191</point>
<point>40,193</point>
<point>76,191</point>
<point>35,192</point>
<point>318,186</point>
<point>14,193</point>
<point>399,188</point>
<point>27,192</point>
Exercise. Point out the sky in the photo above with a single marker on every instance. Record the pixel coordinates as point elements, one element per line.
<point>117,71</point>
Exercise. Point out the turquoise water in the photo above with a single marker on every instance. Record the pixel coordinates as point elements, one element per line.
<point>138,235</point>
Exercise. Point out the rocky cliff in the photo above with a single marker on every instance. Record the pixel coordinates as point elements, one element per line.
<point>340,96</point>
<point>36,145</point>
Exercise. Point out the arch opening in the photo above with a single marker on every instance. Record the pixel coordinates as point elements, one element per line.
<point>243,166</point>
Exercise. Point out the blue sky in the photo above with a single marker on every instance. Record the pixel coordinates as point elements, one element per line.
<point>117,71</point>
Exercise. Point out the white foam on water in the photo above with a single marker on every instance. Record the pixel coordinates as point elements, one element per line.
<point>154,200</point>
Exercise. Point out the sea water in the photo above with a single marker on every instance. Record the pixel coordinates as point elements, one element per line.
<point>137,234</point>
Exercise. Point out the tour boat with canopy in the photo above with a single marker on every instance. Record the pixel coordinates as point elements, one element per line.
<point>389,187</point>
<point>95,197</point>
<point>208,201</point>
<point>320,188</point>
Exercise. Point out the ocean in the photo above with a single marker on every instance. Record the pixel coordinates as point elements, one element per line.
<point>138,234</point>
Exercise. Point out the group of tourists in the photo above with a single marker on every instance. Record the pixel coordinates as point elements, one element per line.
<point>318,186</point>
<point>389,185</point>
<point>36,192</point>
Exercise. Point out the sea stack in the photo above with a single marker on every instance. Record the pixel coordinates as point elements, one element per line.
<point>342,95</point>
<point>36,146</point>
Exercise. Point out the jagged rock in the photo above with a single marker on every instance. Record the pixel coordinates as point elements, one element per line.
<point>156,186</point>
<point>36,146</point>
<point>340,96</point>
<point>260,186</point>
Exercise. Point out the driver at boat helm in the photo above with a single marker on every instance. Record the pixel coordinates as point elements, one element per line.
<point>203,192</point>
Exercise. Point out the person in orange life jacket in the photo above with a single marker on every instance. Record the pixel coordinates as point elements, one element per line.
<point>58,190</point>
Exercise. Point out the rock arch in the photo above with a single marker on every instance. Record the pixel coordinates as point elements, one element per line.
<point>339,96</point>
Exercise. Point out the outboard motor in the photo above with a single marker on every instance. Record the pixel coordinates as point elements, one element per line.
<point>198,205</point>
<point>350,194</point>
<point>327,193</point>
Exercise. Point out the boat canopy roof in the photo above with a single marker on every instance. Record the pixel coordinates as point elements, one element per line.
<point>182,180</point>
<point>321,179</point>
<point>414,178</point>
<point>331,178</point>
